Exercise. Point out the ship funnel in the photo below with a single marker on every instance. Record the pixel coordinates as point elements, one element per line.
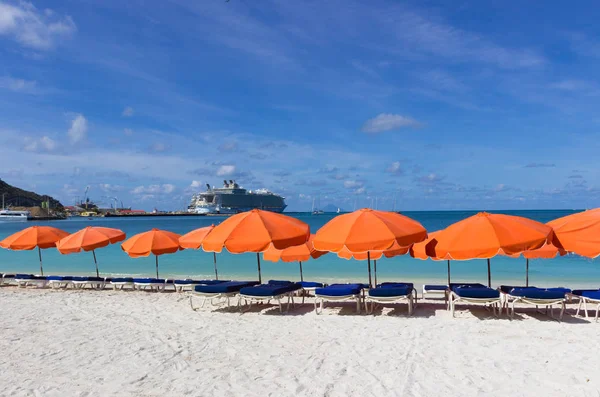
<point>207,186</point>
<point>230,182</point>
<point>224,182</point>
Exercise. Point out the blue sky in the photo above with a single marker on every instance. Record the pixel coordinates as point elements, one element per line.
<point>442,105</point>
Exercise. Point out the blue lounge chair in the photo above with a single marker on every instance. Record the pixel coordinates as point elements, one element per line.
<point>57,282</point>
<point>119,283</point>
<point>391,293</point>
<point>536,296</point>
<point>216,292</point>
<point>153,284</point>
<point>92,282</point>
<point>189,284</point>
<point>7,279</point>
<point>339,293</point>
<point>308,287</point>
<point>434,291</point>
<point>274,290</point>
<point>586,296</point>
<point>473,293</point>
<point>26,280</point>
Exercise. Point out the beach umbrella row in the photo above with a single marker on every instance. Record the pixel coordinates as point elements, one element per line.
<point>364,234</point>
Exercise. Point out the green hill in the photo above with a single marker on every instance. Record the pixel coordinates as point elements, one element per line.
<point>16,197</point>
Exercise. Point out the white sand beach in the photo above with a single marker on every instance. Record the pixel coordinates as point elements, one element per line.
<point>101,343</point>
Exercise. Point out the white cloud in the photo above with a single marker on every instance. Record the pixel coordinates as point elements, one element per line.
<point>166,188</point>
<point>388,122</point>
<point>195,184</point>
<point>352,184</point>
<point>360,190</point>
<point>78,130</point>
<point>18,85</point>
<point>33,28</point>
<point>107,187</point>
<point>159,147</point>
<point>395,168</point>
<point>225,170</point>
<point>127,112</point>
<point>43,144</point>
<point>128,131</point>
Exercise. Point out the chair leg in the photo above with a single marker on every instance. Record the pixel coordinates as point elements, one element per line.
<point>410,307</point>
<point>585,308</point>
<point>578,307</point>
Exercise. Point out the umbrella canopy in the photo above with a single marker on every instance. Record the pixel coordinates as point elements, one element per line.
<point>366,231</point>
<point>39,237</point>
<point>579,233</point>
<point>484,235</point>
<point>256,231</point>
<point>302,252</point>
<point>194,240</point>
<point>298,253</point>
<point>155,241</point>
<point>89,239</point>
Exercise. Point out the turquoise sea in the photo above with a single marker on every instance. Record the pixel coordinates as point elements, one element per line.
<point>571,271</point>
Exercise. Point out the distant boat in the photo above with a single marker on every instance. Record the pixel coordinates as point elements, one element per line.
<point>316,211</point>
<point>338,210</point>
<point>9,215</point>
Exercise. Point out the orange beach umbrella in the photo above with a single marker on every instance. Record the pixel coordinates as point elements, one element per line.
<point>484,235</point>
<point>155,241</point>
<point>89,239</point>
<point>256,231</point>
<point>194,240</point>
<point>579,233</point>
<point>39,237</point>
<point>298,253</point>
<point>367,230</point>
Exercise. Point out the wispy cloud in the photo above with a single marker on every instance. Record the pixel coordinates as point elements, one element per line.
<point>18,85</point>
<point>33,28</point>
<point>395,169</point>
<point>78,130</point>
<point>389,122</point>
<point>540,165</point>
<point>127,112</point>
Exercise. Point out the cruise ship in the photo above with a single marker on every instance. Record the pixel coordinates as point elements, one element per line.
<point>232,199</point>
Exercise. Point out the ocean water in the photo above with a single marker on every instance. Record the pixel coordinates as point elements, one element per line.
<point>571,270</point>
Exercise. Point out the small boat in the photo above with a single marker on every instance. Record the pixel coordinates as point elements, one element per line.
<point>9,215</point>
<point>338,210</point>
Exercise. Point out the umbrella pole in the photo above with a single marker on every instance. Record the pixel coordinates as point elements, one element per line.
<point>375,272</point>
<point>258,261</point>
<point>156,257</point>
<point>96,262</point>
<point>301,276</point>
<point>215,263</point>
<point>369,261</point>
<point>527,273</point>
<point>448,272</point>
<point>40,255</point>
<point>489,274</point>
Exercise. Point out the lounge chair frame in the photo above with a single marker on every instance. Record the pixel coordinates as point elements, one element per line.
<point>249,299</point>
<point>453,298</point>
<point>320,300</point>
<point>120,285</point>
<point>549,303</point>
<point>156,287</point>
<point>59,284</point>
<point>93,284</point>
<point>27,282</point>
<point>411,299</point>
<point>437,293</point>
<point>216,298</point>
<point>583,301</point>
